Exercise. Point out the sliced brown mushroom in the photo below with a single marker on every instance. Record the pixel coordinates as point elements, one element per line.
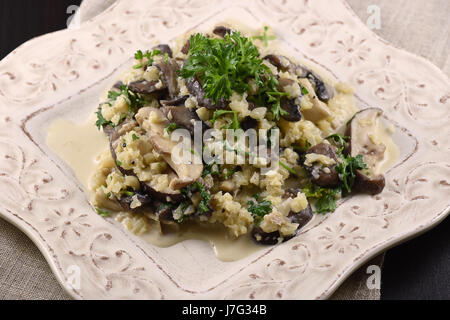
<point>186,47</point>
<point>324,176</point>
<point>302,218</point>
<point>291,106</point>
<point>147,87</point>
<point>281,62</point>
<point>362,131</point>
<point>182,116</point>
<point>115,135</point>
<point>195,88</point>
<point>249,123</point>
<point>221,31</point>
<point>318,109</point>
<point>169,69</point>
<point>143,198</point>
<point>187,173</point>
<point>323,90</point>
<point>164,48</point>
<point>179,101</point>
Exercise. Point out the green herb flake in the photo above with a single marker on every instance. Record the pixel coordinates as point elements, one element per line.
<point>234,125</point>
<point>103,213</point>
<point>259,209</point>
<point>305,91</point>
<point>119,163</point>
<point>171,127</point>
<point>101,121</point>
<point>134,137</point>
<point>347,170</point>
<point>288,168</point>
<point>265,38</point>
<point>325,198</point>
<point>339,141</point>
<point>128,193</point>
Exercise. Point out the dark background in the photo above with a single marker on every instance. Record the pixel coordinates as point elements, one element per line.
<point>418,269</point>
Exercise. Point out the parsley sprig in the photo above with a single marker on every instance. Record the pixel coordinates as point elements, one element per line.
<point>139,56</point>
<point>224,65</point>
<point>265,37</point>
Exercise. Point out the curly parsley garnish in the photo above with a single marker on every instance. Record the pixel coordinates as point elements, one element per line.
<point>227,64</point>
<point>139,55</point>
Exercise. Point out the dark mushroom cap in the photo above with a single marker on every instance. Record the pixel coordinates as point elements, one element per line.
<point>164,48</point>
<point>221,31</point>
<point>318,175</point>
<point>195,88</point>
<point>146,87</point>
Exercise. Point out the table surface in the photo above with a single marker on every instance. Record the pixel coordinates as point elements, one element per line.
<point>418,269</point>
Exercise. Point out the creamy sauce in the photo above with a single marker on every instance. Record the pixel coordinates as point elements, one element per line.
<point>225,248</point>
<point>79,146</point>
<point>391,154</point>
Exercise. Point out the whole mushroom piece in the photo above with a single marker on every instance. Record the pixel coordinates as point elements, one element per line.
<point>362,130</point>
<point>324,175</point>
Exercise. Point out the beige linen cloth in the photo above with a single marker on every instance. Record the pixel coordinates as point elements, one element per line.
<point>419,26</point>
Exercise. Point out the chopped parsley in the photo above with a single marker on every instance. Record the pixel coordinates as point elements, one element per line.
<point>128,193</point>
<point>119,163</point>
<point>212,169</point>
<point>134,100</point>
<point>101,121</point>
<point>139,55</point>
<point>265,38</point>
<point>134,137</point>
<point>259,209</point>
<point>203,206</point>
<point>287,168</point>
<point>224,65</point>
<point>305,91</point>
<point>339,141</point>
<point>229,173</point>
<point>325,198</point>
<point>171,127</point>
<point>347,168</point>
<point>103,213</point>
<point>233,125</point>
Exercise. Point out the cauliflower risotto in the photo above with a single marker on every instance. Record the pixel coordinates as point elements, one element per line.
<point>230,80</point>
